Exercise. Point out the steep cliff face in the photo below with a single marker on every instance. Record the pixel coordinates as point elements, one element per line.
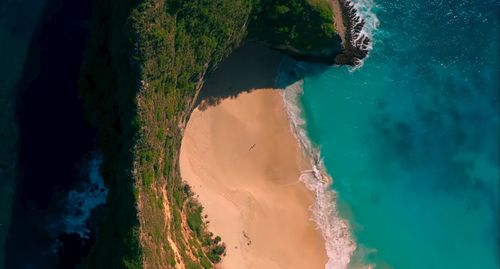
<point>145,65</point>
<point>108,85</point>
<point>146,62</point>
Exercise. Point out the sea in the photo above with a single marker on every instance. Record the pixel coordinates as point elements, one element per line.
<point>409,139</point>
<point>47,203</point>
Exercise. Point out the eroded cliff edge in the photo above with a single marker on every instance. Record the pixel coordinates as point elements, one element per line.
<point>145,64</point>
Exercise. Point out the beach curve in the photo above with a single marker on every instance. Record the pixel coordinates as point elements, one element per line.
<point>244,164</point>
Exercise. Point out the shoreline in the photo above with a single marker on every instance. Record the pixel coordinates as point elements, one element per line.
<point>233,84</point>
<point>234,78</point>
<point>336,231</point>
<point>243,163</point>
<point>356,41</point>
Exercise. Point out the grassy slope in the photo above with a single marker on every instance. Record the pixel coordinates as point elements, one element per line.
<point>184,42</point>
<point>145,63</point>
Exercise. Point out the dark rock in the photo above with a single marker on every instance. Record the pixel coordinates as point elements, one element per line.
<point>356,47</point>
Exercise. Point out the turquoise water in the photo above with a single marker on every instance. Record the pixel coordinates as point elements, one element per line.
<point>412,137</point>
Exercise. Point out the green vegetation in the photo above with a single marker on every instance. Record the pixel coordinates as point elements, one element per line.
<point>146,61</point>
<point>176,43</point>
<point>194,220</point>
<point>302,25</point>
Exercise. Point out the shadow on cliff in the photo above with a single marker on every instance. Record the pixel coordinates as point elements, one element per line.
<point>250,67</point>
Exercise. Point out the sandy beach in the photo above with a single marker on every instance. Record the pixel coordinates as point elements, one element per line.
<point>243,163</point>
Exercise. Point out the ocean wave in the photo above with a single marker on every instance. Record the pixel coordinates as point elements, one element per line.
<point>365,11</point>
<point>336,231</point>
<point>361,26</point>
<point>81,201</point>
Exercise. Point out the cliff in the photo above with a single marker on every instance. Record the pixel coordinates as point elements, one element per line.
<point>145,65</point>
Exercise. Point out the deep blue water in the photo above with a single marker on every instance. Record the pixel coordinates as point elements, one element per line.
<point>44,50</point>
<point>412,137</point>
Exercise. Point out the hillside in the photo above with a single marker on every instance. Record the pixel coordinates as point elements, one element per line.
<point>145,64</point>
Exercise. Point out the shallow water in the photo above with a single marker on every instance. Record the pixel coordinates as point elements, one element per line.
<point>411,137</point>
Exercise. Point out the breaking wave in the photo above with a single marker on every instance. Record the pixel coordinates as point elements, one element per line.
<point>336,231</point>
<point>365,11</point>
<point>81,201</point>
<point>362,23</point>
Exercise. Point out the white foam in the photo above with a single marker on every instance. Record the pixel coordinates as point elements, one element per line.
<point>81,201</point>
<point>335,230</point>
<point>365,12</point>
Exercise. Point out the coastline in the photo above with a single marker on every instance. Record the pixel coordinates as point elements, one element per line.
<point>355,24</point>
<point>354,31</point>
<point>232,82</point>
<point>335,231</point>
<point>151,144</point>
<point>243,163</point>
<point>156,147</point>
<point>249,199</point>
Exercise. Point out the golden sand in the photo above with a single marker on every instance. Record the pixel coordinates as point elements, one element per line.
<point>243,163</point>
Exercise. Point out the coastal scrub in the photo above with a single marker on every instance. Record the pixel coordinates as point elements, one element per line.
<point>145,64</point>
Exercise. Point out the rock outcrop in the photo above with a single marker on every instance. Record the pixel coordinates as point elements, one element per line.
<point>357,42</point>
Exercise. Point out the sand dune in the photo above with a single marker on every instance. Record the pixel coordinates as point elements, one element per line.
<point>243,163</point>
